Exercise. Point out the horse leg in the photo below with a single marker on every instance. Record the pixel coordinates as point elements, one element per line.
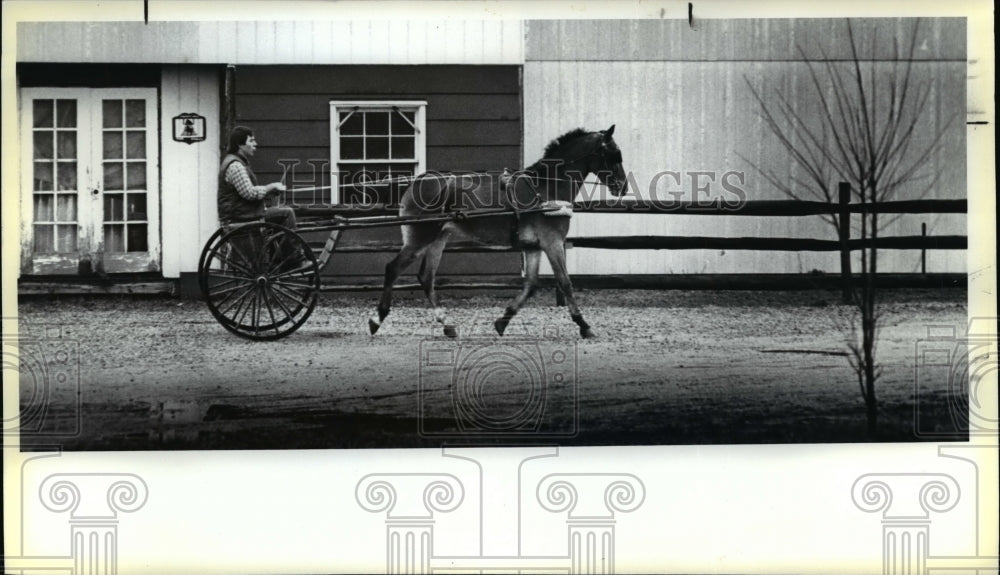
<point>426,277</point>
<point>557,257</point>
<point>532,258</point>
<point>393,269</point>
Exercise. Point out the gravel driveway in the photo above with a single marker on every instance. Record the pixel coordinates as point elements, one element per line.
<point>669,367</point>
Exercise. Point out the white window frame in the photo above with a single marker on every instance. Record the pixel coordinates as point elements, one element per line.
<point>338,106</point>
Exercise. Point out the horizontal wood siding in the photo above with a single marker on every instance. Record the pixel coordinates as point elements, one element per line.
<point>272,42</point>
<point>473,124</point>
<point>741,40</point>
<point>681,103</point>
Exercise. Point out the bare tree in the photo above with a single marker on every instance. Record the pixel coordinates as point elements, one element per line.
<point>865,134</point>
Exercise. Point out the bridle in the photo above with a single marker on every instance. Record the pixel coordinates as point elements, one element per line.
<point>608,157</point>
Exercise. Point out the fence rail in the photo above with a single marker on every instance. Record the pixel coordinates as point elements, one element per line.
<point>766,244</point>
<point>769,207</point>
<point>775,208</point>
<point>843,208</point>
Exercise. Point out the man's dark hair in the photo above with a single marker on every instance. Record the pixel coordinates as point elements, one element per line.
<point>237,138</point>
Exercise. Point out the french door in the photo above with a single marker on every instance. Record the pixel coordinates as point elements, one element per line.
<point>90,181</point>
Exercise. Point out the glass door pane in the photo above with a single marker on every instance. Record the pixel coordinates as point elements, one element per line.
<point>54,175</point>
<point>124,167</point>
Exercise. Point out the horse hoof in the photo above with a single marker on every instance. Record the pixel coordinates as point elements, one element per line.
<point>373,326</point>
<point>500,325</point>
<point>587,333</point>
<point>450,331</point>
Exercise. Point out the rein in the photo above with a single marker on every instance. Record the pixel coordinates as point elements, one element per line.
<point>404,179</point>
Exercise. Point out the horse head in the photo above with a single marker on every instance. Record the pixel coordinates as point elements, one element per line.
<point>608,159</point>
<point>598,153</point>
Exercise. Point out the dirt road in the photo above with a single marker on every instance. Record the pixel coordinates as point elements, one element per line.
<point>669,367</point>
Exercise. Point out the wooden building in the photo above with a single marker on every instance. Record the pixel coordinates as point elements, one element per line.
<point>110,189</point>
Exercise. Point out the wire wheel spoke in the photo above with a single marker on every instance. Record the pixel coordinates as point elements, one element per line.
<point>256,312</point>
<point>243,308</point>
<point>245,262</point>
<point>226,279</point>
<point>265,295</point>
<point>281,303</point>
<point>241,290</point>
<point>288,284</point>
<point>228,263</point>
<point>291,295</point>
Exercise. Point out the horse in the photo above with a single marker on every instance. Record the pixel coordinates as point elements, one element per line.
<point>553,181</point>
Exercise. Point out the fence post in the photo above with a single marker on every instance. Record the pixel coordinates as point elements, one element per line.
<point>844,192</point>
<point>560,296</point>
<point>923,248</point>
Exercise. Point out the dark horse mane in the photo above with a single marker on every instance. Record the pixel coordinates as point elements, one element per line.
<point>554,145</point>
<point>570,135</point>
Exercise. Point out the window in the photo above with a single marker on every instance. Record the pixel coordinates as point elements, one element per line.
<point>54,154</point>
<point>375,148</point>
<point>124,168</point>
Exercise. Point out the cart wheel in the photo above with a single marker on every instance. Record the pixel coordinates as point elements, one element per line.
<point>213,241</point>
<point>254,283</point>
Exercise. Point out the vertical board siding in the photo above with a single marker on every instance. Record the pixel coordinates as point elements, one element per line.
<point>285,42</point>
<point>473,124</point>
<point>681,102</point>
<point>188,170</point>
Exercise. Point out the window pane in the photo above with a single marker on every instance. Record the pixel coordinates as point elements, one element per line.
<point>401,126</point>
<point>66,241</point>
<point>112,145</point>
<point>137,238</point>
<point>41,113</point>
<point>43,207</point>
<point>403,148</point>
<point>113,176</point>
<point>66,145</point>
<point>376,148</point>
<point>354,126</point>
<point>112,113</point>
<point>351,148</point>
<point>354,180</point>
<point>66,208</point>
<point>114,238</point>
<point>44,239</point>
<point>43,176</point>
<point>66,173</point>
<point>136,207</point>
<point>402,168</point>
<point>377,123</point>
<point>43,146</point>
<point>136,144</point>
<point>136,176</point>
<point>66,113</point>
<point>114,207</point>
<point>135,113</point>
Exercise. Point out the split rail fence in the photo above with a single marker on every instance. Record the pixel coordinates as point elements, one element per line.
<point>844,244</point>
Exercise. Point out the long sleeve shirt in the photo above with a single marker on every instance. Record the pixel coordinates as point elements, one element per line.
<point>236,174</point>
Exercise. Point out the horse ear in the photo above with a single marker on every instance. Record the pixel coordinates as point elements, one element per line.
<point>610,131</point>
